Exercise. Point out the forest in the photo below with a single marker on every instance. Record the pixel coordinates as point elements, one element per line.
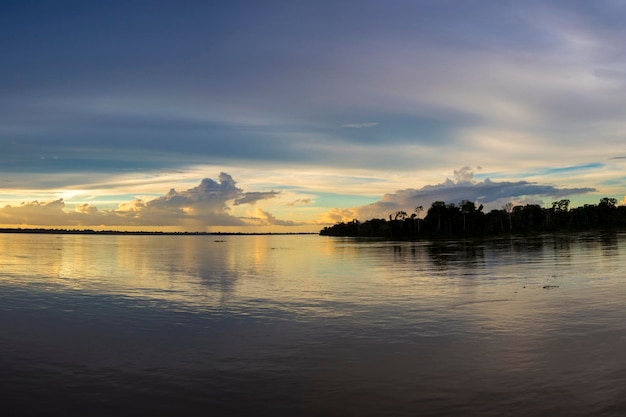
<point>465,219</point>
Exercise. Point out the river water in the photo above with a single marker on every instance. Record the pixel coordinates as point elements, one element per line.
<point>94,325</point>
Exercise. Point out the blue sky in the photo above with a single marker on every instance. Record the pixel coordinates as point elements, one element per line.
<point>289,115</point>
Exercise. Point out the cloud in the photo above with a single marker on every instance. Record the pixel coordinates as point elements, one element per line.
<point>206,205</point>
<point>253,197</point>
<point>300,201</point>
<point>337,215</point>
<point>360,125</point>
<point>265,218</point>
<point>490,193</point>
<point>519,85</point>
<point>464,174</point>
<point>549,71</point>
<point>25,213</point>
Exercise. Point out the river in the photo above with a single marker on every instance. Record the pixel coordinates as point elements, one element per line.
<point>305,325</point>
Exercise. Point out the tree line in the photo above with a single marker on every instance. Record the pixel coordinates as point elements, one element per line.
<point>467,219</point>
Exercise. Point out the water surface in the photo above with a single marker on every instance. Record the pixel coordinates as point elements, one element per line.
<point>308,325</point>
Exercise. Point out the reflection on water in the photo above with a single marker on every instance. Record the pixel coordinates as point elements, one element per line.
<point>310,325</point>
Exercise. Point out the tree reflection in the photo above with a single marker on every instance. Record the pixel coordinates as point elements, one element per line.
<point>466,254</point>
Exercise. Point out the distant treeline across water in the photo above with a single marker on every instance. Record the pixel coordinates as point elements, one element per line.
<point>466,219</point>
<point>142,233</point>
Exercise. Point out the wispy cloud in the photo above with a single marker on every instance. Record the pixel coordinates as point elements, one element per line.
<point>300,201</point>
<point>360,125</point>
<point>253,197</point>
<point>264,218</point>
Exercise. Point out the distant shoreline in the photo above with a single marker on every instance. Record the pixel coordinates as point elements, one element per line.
<point>143,233</point>
<point>467,220</point>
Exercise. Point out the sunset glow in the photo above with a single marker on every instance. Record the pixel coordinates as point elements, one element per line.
<point>287,117</point>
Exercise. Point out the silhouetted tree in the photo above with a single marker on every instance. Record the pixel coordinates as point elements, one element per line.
<point>418,210</point>
<point>465,219</point>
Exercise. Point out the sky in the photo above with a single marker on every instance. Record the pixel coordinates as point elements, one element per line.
<point>288,116</point>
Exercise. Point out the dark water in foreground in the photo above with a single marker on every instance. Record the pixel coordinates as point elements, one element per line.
<point>311,326</point>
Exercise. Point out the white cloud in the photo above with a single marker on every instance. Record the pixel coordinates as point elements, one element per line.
<point>464,174</point>
<point>206,205</point>
<point>490,193</point>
